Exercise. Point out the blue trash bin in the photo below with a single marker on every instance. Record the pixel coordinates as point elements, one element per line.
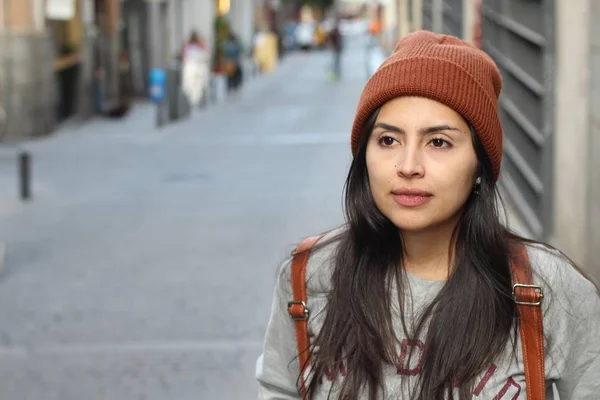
<point>157,85</point>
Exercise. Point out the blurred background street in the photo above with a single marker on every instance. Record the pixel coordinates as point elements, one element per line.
<point>160,159</point>
<point>145,265</point>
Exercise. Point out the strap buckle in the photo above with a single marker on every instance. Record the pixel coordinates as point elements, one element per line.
<point>295,315</point>
<point>520,299</point>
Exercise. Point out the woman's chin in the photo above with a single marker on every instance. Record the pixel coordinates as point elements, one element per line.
<point>412,225</point>
<point>415,222</point>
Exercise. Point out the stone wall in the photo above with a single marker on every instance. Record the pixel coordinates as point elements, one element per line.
<point>594,147</point>
<point>27,87</point>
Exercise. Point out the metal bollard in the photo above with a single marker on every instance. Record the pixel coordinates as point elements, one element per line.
<point>159,115</point>
<point>25,175</point>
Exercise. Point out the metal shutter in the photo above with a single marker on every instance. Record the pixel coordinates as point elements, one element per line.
<point>453,17</point>
<point>427,15</point>
<point>519,36</point>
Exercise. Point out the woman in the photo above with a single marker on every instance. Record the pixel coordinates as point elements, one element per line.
<point>195,70</point>
<point>412,298</point>
<point>337,45</point>
<point>195,47</point>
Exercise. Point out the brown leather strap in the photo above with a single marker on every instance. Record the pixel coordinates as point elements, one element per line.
<point>528,297</point>
<point>298,308</point>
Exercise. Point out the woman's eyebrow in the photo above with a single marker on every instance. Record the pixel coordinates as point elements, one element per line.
<point>438,128</point>
<point>422,131</point>
<point>388,127</point>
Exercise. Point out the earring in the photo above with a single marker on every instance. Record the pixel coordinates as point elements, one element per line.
<point>477,187</point>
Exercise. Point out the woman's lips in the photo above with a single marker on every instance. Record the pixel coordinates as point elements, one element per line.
<point>411,197</point>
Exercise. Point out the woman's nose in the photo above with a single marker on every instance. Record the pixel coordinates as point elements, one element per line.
<point>410,163</point>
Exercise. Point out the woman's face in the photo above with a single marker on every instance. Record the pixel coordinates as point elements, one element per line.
<point>421,163</point>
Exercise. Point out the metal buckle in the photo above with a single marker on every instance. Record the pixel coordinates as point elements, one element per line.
<point>305,309</point>
<point>528,303</point>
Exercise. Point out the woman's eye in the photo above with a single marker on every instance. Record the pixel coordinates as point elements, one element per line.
<point>387,140</point>
<point>439,143</point>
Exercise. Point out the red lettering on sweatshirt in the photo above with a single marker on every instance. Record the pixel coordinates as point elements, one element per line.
<point>506,387</point>
<point>404,369</point>
<point>512,388</point>
<point>329,375</point>
<point>484,380</point>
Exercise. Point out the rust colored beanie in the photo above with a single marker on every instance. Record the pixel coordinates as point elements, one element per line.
<point>442,68</point>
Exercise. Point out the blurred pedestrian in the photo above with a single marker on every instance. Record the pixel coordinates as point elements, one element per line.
<point>337,46</point>
<point>233,53</point>
<point>195,69</point>
<point>195,47</point>
<point>374,32</point>
<point>423,293</point>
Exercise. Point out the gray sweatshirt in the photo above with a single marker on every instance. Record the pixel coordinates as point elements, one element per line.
<point>571,309</point>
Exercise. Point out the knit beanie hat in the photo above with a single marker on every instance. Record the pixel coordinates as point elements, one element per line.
<point>442,68</point>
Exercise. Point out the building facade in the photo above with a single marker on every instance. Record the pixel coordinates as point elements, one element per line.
<point>63,60</point>
<point>54,53</point>
<point>27,71</point>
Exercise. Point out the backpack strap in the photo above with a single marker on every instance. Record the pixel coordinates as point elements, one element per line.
<point>526,294</point>
<point>528,298</point>
<point>298,308</point>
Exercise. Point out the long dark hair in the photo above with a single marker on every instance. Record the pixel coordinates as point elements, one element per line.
<point>468,325</point>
